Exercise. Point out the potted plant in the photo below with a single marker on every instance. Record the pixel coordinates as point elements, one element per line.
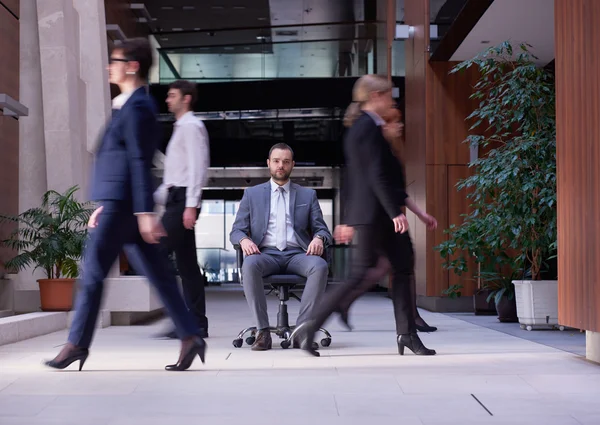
<point>502,293</point>
<point>51,237</point>
<point>513,188</point>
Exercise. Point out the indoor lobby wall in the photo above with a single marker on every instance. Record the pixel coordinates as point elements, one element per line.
<point>62,61</point>
<point>577,35</point>
<point>9,126</point>
<point>437,104</point>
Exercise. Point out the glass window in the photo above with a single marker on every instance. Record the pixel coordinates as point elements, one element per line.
<point>216,255</point>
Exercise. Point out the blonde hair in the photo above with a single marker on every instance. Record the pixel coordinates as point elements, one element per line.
<point>361,92</point>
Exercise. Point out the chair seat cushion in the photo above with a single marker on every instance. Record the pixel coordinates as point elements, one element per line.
<point>284,279</point>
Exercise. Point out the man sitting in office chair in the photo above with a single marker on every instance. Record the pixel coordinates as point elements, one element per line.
<point>280,228</point>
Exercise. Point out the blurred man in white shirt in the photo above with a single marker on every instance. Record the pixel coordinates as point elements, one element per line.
<point>186,169</point>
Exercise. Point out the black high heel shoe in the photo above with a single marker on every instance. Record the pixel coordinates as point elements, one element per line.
<point>197,348</point>
<point>80,354</point>
<point>414,344</point>
<point>344,318</point>
<point>306,336</point>
<point>426,328</point>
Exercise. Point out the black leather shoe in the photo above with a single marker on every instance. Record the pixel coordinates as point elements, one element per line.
<point>80,354</point>
<point>196,347</point>
<point>263,341</point>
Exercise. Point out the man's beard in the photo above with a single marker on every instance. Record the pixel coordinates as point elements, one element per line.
<point>283,177</point>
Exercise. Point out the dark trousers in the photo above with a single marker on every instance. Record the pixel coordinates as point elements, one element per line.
<point>117,229</point>
<point>182,242</point>
<point>378,248</point>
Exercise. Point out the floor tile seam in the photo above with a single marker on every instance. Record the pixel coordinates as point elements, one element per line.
<point>513,336</point>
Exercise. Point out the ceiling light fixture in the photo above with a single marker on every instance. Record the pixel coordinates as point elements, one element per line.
<point>485,42</point>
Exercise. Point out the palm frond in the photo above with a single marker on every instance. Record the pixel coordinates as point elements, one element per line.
<point>52,236</point>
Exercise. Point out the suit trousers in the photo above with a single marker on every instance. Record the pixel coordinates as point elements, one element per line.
<point>375,243</point>
<point>117,229</point>
<point>182,242</point>
<point>291,260</point>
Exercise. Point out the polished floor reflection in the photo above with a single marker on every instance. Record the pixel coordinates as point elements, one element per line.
<point>480,376</point>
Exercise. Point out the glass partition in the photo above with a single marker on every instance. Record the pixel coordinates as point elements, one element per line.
<point>303,51</point>
<point>216,255</point>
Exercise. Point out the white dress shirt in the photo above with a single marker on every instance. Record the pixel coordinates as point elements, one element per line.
<point>121,99</point>
<point>270,239</point>
<point>187,161</point>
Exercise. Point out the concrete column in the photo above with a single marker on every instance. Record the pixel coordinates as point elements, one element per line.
<point>63,93</point>
<point>93,69</point>
<point>32,149</point>
<point>592,346</point>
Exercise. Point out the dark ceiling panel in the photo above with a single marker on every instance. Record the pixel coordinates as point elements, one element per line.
<point>190,15</point>
<point>467,14</point>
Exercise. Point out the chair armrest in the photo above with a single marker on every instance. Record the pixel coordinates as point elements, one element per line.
<point>239,255</point>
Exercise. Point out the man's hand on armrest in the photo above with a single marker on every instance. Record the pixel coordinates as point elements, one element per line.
<point>249,247</point>
<point>316,247</point>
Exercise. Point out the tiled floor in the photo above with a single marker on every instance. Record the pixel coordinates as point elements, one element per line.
<point>480,376</point>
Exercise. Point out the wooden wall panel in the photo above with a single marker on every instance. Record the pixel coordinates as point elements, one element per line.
<point>577,43</point>
<point>9,127</point>
<point>447,107</point>
<point>459,204</point>
<point>437,104</point>
<point>416,14</point>
<point>436,205</point>
<point>12,5</point>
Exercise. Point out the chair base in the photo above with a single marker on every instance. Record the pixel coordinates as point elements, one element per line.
<point>287,333</point>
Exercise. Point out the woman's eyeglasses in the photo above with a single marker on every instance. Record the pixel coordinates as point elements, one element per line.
<point>113,60</point>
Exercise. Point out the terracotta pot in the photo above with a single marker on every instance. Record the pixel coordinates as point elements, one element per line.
<point>56,294</point>
<point>507,310</point>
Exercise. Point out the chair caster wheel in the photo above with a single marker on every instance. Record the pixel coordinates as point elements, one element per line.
<point>250,340</point>
<point>325,342</point>
<point>285,344</point>
<point>529,328</point>
<point>523,327</point>
<point>561,328</point>
<point>237,343</point>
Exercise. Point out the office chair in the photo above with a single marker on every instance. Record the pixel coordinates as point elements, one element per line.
<point>282,285</point>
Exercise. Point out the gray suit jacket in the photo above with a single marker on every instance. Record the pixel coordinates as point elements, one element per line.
<point>252,217</point>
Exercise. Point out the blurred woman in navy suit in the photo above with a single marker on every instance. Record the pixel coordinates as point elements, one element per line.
<point>122,185</point>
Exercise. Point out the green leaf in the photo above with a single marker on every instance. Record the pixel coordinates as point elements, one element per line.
<point>50,237</point>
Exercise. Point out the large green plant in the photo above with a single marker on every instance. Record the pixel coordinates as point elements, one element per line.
<point>50,237</point>
<point>513,188</point>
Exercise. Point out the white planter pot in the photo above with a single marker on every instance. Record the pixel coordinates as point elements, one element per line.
<point>537,303</point>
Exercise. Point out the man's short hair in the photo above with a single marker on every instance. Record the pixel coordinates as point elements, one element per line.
<point>186,88</point>
<point>138,50</point>
<point>283,146</point>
